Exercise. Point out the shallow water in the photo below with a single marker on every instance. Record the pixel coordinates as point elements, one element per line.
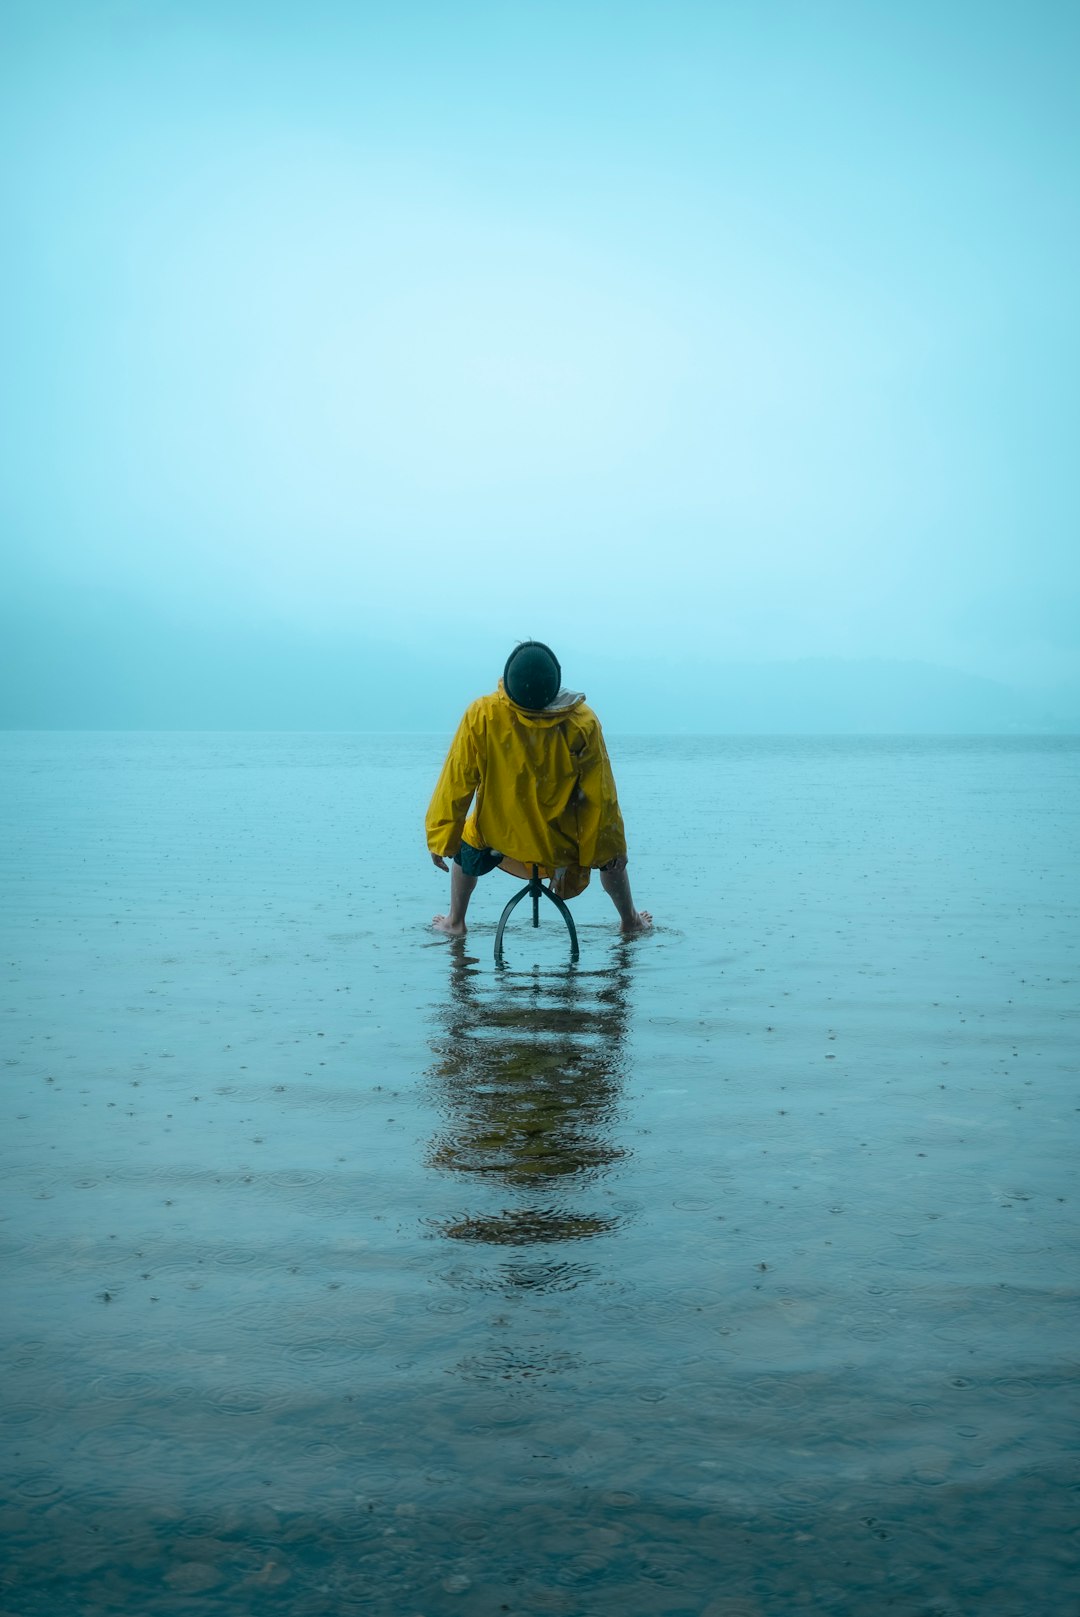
<point>731,1273</point>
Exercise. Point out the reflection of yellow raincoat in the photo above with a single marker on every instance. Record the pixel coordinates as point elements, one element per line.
<point>544,789</point>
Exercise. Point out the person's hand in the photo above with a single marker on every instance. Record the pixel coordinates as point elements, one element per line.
<point>438,860</point>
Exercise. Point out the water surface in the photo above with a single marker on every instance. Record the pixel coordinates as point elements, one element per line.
<point>730,1273</point>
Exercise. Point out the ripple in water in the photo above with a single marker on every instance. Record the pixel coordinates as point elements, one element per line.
<point>1013,1387</point>
<point>775,1392</point>
<point>38,1487</point>
<point>22,1414</point>
<point>112,1443</point>
<point>332,1349</point>
<point>245,1400</point>
<point>124,1385</point>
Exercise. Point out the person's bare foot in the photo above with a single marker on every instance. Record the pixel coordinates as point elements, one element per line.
<point>641,923</point>
<point>442,923</point>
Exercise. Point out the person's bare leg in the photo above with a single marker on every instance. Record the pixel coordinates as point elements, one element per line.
<point>461,890</point>
<point>616,884</point>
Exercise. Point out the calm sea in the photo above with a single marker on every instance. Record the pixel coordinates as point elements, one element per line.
<point>729,1274</point>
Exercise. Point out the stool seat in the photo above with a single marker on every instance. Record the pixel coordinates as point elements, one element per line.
<point>533,889</point>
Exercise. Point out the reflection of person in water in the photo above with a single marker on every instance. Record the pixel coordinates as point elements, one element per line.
<point>528,1075</point>
<point>532,755</point>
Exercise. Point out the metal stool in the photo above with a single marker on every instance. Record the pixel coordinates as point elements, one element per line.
<point>533,889</point>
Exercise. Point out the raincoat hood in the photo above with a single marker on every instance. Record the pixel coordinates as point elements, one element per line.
<point>564,702</point>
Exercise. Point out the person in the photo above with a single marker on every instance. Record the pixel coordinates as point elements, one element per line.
<point>532,755</point>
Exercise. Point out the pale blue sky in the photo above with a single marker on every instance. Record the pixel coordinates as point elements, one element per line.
<point>751,326</point>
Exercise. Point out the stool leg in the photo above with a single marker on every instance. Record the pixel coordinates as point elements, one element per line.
<point>504,917</point>
<point>568,918</point>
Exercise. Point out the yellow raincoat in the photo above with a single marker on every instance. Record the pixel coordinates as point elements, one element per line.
<point>543,785</point>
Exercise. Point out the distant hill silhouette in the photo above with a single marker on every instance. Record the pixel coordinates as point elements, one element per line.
<point>833,695</point>
<point>113,667</point>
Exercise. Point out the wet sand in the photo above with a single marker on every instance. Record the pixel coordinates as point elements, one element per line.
<point>732,1273</point>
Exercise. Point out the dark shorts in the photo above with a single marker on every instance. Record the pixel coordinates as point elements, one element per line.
<point>477,861</point>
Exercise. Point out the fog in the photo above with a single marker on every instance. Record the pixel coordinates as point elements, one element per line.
<point>347,344</point>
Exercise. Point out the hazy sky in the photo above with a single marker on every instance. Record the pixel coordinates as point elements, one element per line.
<point>746,324</point>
